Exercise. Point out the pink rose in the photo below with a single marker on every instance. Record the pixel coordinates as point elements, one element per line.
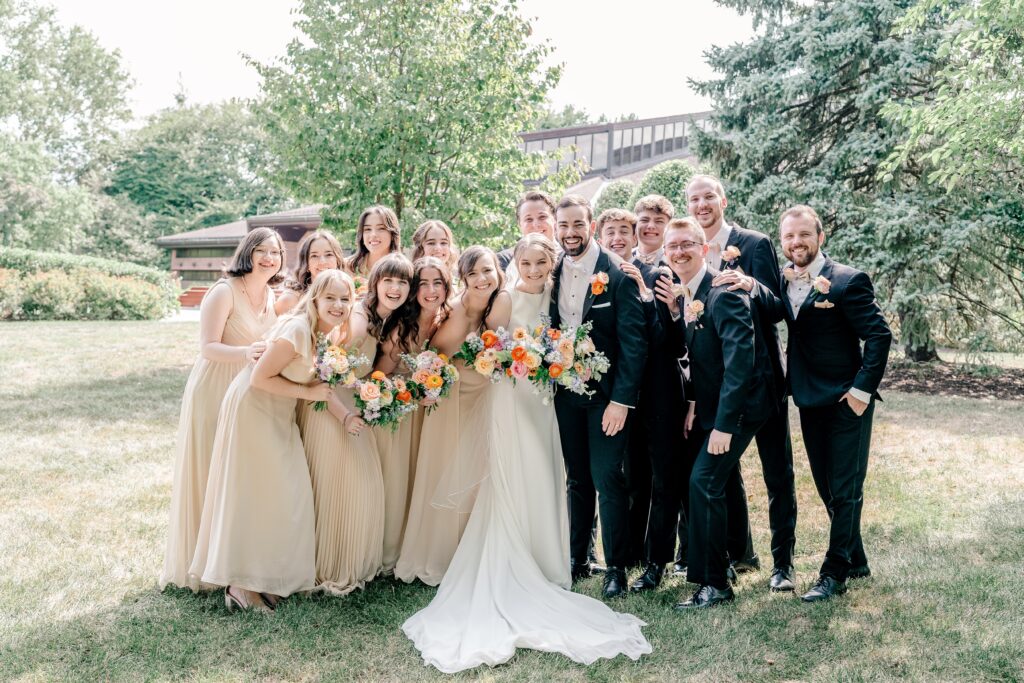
<point>369,391</point>
<point>519,370</point>
<point>822,284</point>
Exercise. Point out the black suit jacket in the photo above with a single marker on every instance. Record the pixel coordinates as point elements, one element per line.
<point>824,352</point>
<point>730,372</point>
<point>759,260</point>
<point>663,389</point>
<point>505,258</point>
<point>619,329</point>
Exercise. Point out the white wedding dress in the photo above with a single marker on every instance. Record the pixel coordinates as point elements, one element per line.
<point>508,585</point>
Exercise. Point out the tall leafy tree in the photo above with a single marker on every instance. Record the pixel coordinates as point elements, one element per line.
<point>60,87</point>
<point>412,104</point>
<point>799,120</point>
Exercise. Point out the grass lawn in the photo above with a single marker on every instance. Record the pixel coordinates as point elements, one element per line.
<point>87,424</point>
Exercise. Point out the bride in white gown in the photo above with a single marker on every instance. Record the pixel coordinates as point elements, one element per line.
<point>508,585</point>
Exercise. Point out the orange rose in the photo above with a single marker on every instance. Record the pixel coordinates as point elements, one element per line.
<point>554,334</point>
<point>555,371</point>
<point>378,375</point>
<point>489,339</point>
<point>508,372</point>
<point>596,288</point>
<point>518,353</point>
<point>434,382</point>
<point>403,396</point>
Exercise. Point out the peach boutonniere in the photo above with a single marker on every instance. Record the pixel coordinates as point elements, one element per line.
<point>680,290</point>
<point>598,283</point>
<point>693,312</point>
<point>730,254</point>
<point>822,285</point>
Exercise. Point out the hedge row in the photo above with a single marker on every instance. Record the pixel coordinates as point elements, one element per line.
<point>81,293</point>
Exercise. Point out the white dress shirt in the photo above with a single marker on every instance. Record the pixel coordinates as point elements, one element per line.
<point>651,259</point>
<point>574,283</point>
<point>716,245</point>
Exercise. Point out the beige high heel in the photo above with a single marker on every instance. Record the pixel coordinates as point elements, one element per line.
<point>231,601</point>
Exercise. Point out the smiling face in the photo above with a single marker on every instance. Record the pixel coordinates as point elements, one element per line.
<point>535,216</point>
<point>392,291</point>
<point>436,243</point>
<point>334,305</point>
<point>267,257</point>
<point>618,237</point>
<point>481,278</point>
<point>431,289</point>
<point>684,252</point>
<point>706,203</point>
<point>376,236</point>
<point>801,240</point>
<point>574,230</point>
<point>321,257</point>
<point>534,266</point>
<point>650,230</point>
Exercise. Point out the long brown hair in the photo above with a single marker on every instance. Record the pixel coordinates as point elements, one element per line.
<point>241,261</point>
<point>414,308</point>
<point>392,265</point>
<point>421,234</point>
<point>303,278</point>
<point>357,261</point>
<point>468,261</point>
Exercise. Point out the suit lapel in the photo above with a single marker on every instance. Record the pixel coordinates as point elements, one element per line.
<point>812,295</point>
<point>602,266</point>
<point>700,295</point>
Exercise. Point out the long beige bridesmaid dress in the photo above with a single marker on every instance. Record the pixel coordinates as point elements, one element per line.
<point>197,426</point>
<point>348,494</point>
<point>257,530</point>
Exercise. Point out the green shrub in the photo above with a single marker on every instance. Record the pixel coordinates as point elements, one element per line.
<point>615,195</point>
<point>106,289</point>
<point>10,293</point>
<point>117,298</point>
<point>669,179</point>
<point>51,295</point>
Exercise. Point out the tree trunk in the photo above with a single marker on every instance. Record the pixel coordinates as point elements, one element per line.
<point>916,335</point>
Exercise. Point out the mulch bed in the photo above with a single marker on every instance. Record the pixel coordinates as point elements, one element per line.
<point>955,379</point>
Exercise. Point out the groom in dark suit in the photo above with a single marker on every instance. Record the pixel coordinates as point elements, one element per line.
<point>590,287</point>
<point>733,387</point>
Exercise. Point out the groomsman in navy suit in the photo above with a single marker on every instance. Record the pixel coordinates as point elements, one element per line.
<point>535,212</point>
<point>831,312</point>
<point>731,247</point>
<point>733,386</point>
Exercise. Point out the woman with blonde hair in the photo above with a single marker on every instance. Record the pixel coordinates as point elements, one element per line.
<point>257,535</point>
<point>318,252</point>
<point>234,315</point>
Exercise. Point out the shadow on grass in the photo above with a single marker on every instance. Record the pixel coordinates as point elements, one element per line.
<point>938,607</point>
<point>137,396</point>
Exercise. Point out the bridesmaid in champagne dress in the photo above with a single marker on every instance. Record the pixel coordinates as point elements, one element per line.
<point>344,467</point>
<point>377,235</point>
<point>385,306</point>
<point>233,317</point>
<point>257,536</point>
<point>318,252</point>
<point>431,533</point>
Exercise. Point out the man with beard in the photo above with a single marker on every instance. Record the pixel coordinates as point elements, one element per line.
<point>589,286</point>
<point>831,310</point>
<point>731,247</point>
<point>732,381</point>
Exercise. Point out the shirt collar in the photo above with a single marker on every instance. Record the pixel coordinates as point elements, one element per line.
<point>694,284</point>
<point>649,259</point>
<point>722,236</point>
<point>816,265</point>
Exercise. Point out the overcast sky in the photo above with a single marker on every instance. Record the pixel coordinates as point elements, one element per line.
<point>619,56</point>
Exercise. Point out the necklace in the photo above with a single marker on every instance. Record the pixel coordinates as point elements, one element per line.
<point>258,311</point>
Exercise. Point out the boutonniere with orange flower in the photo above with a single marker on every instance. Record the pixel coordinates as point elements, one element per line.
<point>822,285</point>
<point>693,312</point>
<point>598,283</point>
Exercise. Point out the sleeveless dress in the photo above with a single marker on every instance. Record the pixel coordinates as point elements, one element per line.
<point>257,530</point>
<point>348,494</point>
<point>197,426</point>
<point>508,585</point>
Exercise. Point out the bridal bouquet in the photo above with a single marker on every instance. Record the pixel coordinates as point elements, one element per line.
<point>488,353</point>
<point>568,358</point>
<point>335,365</point>
<point>383,401</point>
<point>432,376</point>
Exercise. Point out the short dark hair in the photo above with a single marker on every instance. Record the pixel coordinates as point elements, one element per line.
<point>803,211</point>
<point>575,200</point>
<point>241,261</point>
<point>535,196</point>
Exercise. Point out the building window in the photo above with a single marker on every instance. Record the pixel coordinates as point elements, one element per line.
<point>207,252</point>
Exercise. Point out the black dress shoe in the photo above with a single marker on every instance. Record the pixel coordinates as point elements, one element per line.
<point>781,580</point>
<point>824,589</point>
<point>580,571</point>
<point>679,569</point>
<point>614,583</point>
<point>861,572</point>
<point>706,596</point>
<point>730,574</point>
<point>649,580</point>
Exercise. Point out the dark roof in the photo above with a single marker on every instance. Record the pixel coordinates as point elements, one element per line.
<point>230,234</point>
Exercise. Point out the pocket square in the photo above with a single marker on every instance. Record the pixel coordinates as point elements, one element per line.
<point>602,305</point>
<point>824,304</point>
